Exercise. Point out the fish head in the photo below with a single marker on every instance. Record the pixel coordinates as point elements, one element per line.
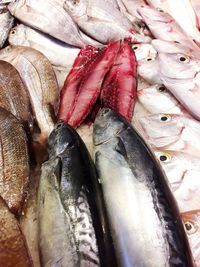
<point>152,15</point>
<point>61,139</point>
<point>76,8</point>
<point>147,62</point>
<point>176,61</point>
<point>8,53</point>
<point>157,99</point>
<point>162,129</point>
<point>106,126</point>
<point>17,35</point>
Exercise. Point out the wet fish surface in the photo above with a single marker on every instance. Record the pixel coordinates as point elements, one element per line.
<point>40,80</point>
<point>14,94</point>
<point>13,247</point>
<point>14,161</point>
<point>68,219</point>
<point>130,174</point>
<point>6,23</point>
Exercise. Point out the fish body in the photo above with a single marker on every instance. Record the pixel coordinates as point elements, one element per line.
<point>14,94</point>
<point>183,13</point>
<point>40,80</point>
<point>101,21</point>
<point>14,161</point>
<point>191,221</point>
<point>164,27</point>
<point>49,17</point>
<point>58,53</point>
<point>179,71</point>
<point>13,247</point>
<point>6,23</point>
<point>68,221</point>
<point>133,183</point>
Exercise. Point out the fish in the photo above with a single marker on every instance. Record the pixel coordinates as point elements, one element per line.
<point>133,183</point>
<point>49,17</point>
<point>13,247</point>
<point>183,13</point>
<point>163,26</point>
<point>37,74</point>
<point>6,23</point>
<point>177,132</point>
<point>102,22</point>
<point>157,99</point>
<point>119,88</point>
<point>61,75</point>
<point>192,225</point>
<point>73,229</point>
<point>83,83</point>
<point>182,171</point>
<point>14,162</point>
<point>14,94</point>
<point>58,53</point>
<point>147,62</point>
<point>179,71</point>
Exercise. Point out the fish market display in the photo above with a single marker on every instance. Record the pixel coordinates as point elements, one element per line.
<point>6,23</point>
<point>102,22</point>
<point>132,62</point>
<point>14,161</point>
<point>39,78</point>
<point>67,205</point>
<point>13,247</point>
<point>58,53</point>
<point>14,94</point>
<point>130,174</point>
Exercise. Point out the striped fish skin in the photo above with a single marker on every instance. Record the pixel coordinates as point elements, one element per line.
<point>69,225</point>
<point>146,226</point>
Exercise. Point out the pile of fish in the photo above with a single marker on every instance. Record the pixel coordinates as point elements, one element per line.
<point>99,133</point>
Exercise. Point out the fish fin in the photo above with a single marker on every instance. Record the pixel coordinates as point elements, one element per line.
<point>120,148</point>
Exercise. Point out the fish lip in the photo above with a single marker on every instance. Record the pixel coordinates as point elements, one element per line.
<point>107,140</point>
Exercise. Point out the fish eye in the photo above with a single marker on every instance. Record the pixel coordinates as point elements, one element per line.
<point>190,227</point>
<point>13,32</point>
<point>161,88</point>
<point>164,157</point>
<point>135,47</point>
<point>149,59</point>
<point>184,58</point>
<point>165,117</point>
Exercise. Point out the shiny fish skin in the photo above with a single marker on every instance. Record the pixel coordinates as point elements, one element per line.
<point>101,21</point>
<point>13,247</point>
<point>40,80</point>
<point>66,204</point>
<point>58,53</point>
<point>14,161</point>
<point>130,174</point>
<point>6,23</point>
<point>49,17</point>
<point>14,94</point>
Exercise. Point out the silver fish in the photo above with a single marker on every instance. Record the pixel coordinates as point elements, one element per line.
<point>49,17</point>
<point>69,224</point>
<point>6,23</point>
<point>137,195</point>
<point>101,21</point>
<point>58,53</point>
